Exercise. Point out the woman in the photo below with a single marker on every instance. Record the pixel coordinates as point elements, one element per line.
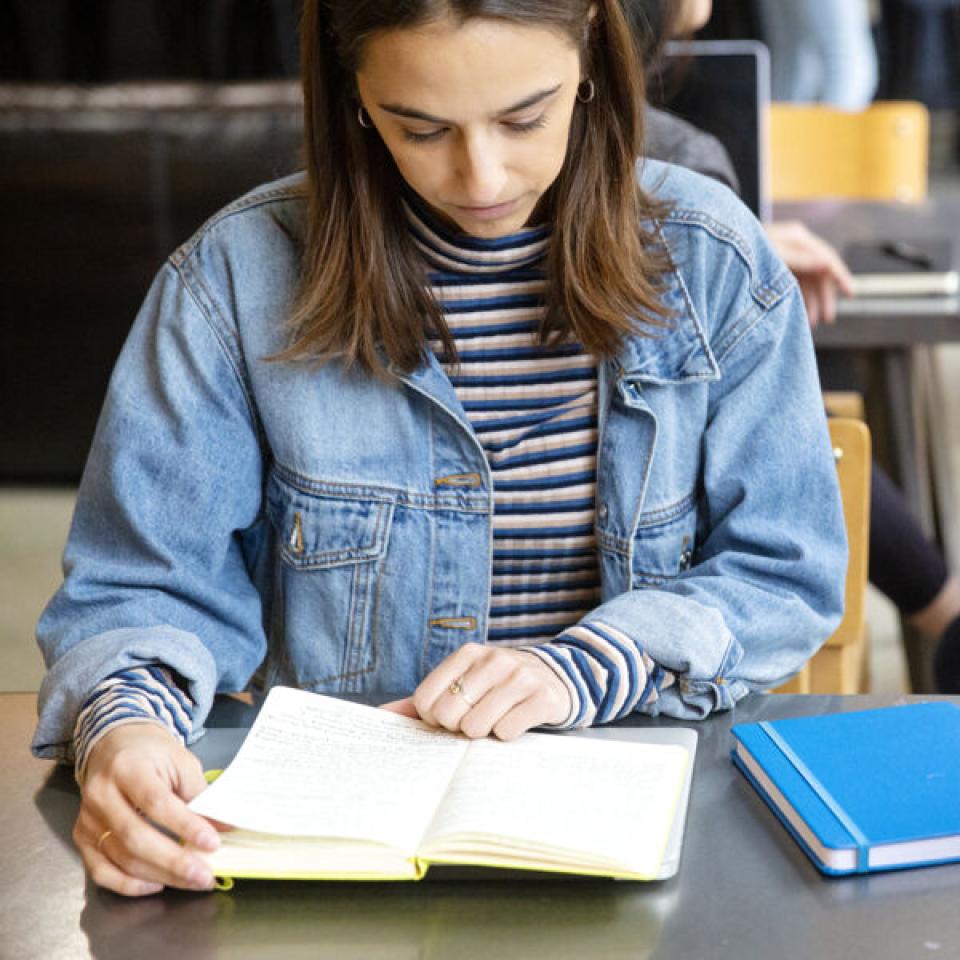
<point>469,415</point>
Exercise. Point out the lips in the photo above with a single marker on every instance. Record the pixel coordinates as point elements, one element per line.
<point>491,212</point>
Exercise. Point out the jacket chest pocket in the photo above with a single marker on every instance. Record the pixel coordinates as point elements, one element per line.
<point>331,555</point>
<point>664,543</point>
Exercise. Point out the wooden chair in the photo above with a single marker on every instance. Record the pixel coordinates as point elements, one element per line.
<point>841,664</point>
<point>877,154</point>
<point>819,153</point>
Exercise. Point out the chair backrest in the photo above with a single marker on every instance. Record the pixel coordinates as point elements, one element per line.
<point>851,449</point>
<point>876,154</point>
<point>840,664</point>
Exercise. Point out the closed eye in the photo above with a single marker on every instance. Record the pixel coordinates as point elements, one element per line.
<point>518,127</point>
<point>414,137</point>
<point>527,125</point>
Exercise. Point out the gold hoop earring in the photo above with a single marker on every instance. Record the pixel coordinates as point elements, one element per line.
<point>363,118</point>
<point>586,91</point>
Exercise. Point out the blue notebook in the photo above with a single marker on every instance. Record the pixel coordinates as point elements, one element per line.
<point>862,791</point>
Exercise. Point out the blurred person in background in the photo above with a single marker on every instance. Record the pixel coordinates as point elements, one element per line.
<point>821,51</point>
<point>903,564</point>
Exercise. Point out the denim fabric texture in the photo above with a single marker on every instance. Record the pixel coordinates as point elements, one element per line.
<point>325,529</point>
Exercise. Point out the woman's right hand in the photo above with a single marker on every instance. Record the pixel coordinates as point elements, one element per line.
<point>819,269</point>
<point>138,777</point>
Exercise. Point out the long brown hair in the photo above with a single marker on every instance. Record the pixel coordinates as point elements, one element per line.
<point>364,294</point>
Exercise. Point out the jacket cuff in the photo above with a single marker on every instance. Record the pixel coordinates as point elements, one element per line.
<point>142,695</point>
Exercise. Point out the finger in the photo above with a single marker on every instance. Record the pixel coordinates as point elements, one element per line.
<point>164,804</point>
<point>94,843</point>
<point>828,300</point>
<point>810,303</point>
<point>107,874</point>
<point>834,267</point>
<point>498,703</point>
<point>489,690</point>
<point>198,878</point>
<point>530,682</point>
<point>449,709</point>
<point>142,850</point>
<point>824,260</point>
<point>404,707</point>
<point>489,672</point>
<point>523,716</point>
<point>436,684</point>
<point>189,780</point>
<point>138,848</point>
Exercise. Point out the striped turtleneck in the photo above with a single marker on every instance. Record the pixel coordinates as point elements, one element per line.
<point>534,411</point>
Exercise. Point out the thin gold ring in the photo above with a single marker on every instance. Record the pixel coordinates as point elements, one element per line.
<point>103,836</point>
<point>456,688</point>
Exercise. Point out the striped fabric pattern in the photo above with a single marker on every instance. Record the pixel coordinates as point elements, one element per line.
<point>606,674</point>
<point>131,696</point>
<point>534,411</point>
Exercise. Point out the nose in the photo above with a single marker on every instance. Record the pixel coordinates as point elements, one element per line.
<point>482,171</point>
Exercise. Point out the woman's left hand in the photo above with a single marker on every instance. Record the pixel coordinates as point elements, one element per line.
<point>479,690</point>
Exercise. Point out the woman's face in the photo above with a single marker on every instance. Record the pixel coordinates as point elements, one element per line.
<point>475,115</point>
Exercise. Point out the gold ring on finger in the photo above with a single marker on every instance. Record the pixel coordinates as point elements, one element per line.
<point>103,836</point>
<point>456,688</point>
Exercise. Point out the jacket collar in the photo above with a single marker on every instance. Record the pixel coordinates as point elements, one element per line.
<point>676,353</point>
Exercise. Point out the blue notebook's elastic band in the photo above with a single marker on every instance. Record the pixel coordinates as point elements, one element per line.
<point>863,845</point>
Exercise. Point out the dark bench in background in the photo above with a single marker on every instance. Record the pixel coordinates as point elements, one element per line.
<point>98,185</point>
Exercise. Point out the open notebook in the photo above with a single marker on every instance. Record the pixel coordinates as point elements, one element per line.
<point>326,789</point>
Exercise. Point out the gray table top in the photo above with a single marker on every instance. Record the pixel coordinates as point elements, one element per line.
<point>888,321</point>
<point>744,889</point>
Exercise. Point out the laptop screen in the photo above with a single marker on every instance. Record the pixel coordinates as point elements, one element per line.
<point>723,87</point>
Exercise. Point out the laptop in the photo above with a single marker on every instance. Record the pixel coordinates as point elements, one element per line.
<point>723,87</point>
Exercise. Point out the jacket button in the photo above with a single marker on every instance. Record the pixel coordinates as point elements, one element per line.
<point>603,512</point>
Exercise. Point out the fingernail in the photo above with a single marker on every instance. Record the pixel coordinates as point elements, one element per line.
<point>207,840</point>
<point>200,878</point>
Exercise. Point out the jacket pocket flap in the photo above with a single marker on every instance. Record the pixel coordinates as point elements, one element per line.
<point>318,531</point>
<point>664,543</point>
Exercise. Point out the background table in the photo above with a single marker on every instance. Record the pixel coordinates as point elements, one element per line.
<point>901,330</point>
<point>744,890</point>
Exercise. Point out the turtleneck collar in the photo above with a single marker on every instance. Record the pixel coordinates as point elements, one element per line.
<point>450,251</point>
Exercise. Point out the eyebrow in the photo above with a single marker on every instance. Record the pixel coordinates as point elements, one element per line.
<point>402,111</point>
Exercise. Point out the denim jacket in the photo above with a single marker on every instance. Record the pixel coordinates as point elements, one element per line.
<point>335,530</point>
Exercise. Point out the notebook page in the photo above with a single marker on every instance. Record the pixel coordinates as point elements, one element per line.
<point>609,801</point>
<point>315,766</point>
